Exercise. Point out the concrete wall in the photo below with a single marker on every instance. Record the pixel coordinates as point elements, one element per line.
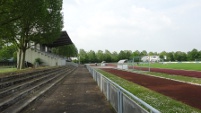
<point>48,59</point>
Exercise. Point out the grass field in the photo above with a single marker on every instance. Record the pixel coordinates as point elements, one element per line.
<point>5,70</point>
<point>158,101</point>
<point>184,66</point>
<point>176,77</point>
<point>8,71</point>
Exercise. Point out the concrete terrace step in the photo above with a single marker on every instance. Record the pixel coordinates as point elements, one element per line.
<point>16,87</point>
<point>20,105</point>
<point>30,90</point>
<point>11,85</point>
<point>14,76</point>
<point>13,95</point>
<point>9,81</point>
<point>13,88</point>
<point>9,100</point>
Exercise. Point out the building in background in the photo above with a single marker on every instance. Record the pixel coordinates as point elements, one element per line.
<point>153,58</point>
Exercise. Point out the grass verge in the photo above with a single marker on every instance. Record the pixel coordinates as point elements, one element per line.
<point>156,100</point>
<point>12,71</point>
<point>5,70</point>
<point>176,77</point>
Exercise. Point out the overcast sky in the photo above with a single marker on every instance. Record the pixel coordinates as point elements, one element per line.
<point>151,25</point>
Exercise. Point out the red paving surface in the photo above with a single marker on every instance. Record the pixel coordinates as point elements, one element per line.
<point>186,93</point>
<point>196,74</point>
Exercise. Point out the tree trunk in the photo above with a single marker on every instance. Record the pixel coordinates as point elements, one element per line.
<point>23,49</point>
<point>19,59</point>
<point>22,64</point>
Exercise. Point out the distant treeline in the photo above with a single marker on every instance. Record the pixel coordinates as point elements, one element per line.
<point>99,56</point>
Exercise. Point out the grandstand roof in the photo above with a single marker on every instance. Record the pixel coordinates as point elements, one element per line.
<point>64,39</point>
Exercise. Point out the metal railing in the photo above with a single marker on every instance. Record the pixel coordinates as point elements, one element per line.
<point>122,100</point>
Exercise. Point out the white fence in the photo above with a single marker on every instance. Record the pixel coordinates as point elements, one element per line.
<point>121,100</point>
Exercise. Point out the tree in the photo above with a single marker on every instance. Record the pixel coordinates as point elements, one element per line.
<point>128,54</point>
<point>122,55</point>
<point>193,55</point>
<point>30,20</point>
<point>163,55</point>
<point>180,56</point>
<point>170,56</point>
<point>136,53</point>
<point>151,54</point>
<point>199,56</point>
<point>9,14</point>
<point>107,56</point>
<point>143,53</point>
<point>115,57</point>
<point>66,50</point>
<point>100,56</point>
<point>83,56</point>
<point>7,10</point>
<point>136,56</point>
<point>92,56</point>
<point>184,56</point>
<point>7,52</point>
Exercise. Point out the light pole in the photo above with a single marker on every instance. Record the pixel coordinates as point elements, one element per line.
<point>79,59</point>
<point>149,63</point>
<point>133,63</point>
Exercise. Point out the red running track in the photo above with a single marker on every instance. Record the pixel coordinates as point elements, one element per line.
<point>186,93</point>
<point>196,74</point>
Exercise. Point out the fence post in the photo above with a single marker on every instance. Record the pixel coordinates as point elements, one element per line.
<point>120,101</point>
<point>101,83</point>
<point>94,74</point>
<point>108,90</point>
<point>96,77</point>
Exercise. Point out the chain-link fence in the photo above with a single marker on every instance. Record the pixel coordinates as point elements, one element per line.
<point>7,64</point>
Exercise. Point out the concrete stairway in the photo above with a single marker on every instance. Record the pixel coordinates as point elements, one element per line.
<point>17,92</point>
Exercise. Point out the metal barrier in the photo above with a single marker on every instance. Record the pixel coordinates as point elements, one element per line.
<point>121,100</point>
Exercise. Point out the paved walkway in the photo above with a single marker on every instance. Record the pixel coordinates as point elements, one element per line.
<point>78,93</point>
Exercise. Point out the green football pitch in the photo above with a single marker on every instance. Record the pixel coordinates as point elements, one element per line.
<point>184,66</point>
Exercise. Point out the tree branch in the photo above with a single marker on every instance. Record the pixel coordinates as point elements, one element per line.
<point>11,20</point>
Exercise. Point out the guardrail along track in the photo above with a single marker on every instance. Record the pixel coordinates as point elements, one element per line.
<point>121,100</point>
<point>18,91</point>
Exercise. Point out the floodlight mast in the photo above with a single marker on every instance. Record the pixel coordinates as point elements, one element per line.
<point>133,62</point>
<point>79,59</point>
<point>149,63</point>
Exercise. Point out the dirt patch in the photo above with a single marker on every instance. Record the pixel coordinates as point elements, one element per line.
<point>186,93</point>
